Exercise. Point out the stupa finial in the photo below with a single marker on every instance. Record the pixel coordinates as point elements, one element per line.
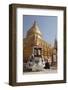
<point>34,23</point>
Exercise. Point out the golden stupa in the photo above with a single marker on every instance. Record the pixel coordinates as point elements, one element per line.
<point>33,40</point>
<point>34,30</point>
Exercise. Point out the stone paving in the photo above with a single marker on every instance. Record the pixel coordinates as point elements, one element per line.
<point>47,71</point>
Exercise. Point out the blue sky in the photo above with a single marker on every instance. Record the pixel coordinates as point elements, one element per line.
<point>47,25</point>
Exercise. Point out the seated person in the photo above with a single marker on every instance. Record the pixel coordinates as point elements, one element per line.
<point>47,66</point>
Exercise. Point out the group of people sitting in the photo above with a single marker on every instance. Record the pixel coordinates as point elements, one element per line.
<point>38,63</point>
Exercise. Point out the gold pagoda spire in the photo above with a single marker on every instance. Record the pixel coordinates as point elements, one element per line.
<point>34,29</point>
